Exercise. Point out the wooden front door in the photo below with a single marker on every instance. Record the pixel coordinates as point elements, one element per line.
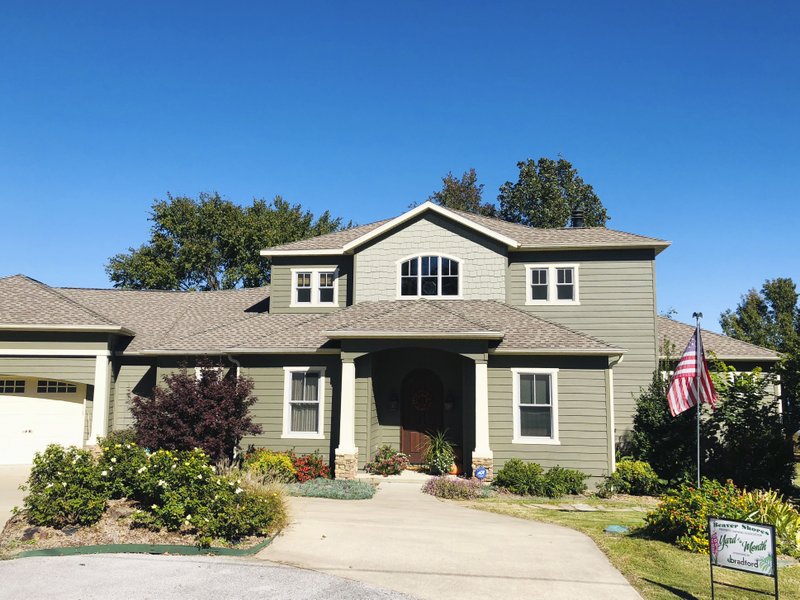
<point>422,412</point>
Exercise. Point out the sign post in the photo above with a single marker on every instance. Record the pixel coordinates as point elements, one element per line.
<point>742,546</point>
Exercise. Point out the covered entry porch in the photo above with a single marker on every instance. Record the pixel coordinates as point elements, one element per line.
<point>399,391</point>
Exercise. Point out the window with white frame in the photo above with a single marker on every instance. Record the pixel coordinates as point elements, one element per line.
<point>55,387</point>
<point>535,406</point>
<point>314,287</point>
<point>430,276</point>
<point>551,284</point>
<point>304,394</point>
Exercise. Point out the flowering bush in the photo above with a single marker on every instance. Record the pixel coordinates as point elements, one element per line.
<point>634,477</point>
<point>454,489</point>
<point>271,466</point>
<point>64,488</point>
<point>682,515</point>
<point>122,466</point>
<point>387,461</point>
<point>309,466</point>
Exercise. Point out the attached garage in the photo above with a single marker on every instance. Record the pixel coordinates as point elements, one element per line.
<point>38,412</point>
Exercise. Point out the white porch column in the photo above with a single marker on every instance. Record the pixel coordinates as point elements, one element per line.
<point>102,379</point>
<point>482,454</point>
<point>347,452</point>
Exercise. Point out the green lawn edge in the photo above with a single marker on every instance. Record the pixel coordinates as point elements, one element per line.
<point>176,549</point>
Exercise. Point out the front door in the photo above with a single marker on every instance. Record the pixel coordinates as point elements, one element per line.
<point>422,413</point>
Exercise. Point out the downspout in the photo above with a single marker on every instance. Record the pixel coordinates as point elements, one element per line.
<point>236,450</point>
<point>613,361</point>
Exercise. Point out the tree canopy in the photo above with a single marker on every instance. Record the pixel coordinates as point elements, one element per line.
<point>211,243</point>
<point>546,193</point>
<point>463,194</point>
<point>771,318</point>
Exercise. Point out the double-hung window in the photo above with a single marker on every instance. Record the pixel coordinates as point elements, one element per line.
<point>551,284</point>
<point>429,276</point>
<point>535,406</point>
<point>314,287</point>
<point>304,402</point>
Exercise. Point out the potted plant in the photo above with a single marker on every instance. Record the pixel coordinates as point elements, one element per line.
<point>439,454</point>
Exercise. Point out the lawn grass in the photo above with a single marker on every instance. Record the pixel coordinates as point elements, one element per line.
<point>656,569</point>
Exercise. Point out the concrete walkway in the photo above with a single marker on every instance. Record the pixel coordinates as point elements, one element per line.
<point>11,477</point>
<point>411,542</point>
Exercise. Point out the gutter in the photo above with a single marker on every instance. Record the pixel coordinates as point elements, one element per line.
<point>69,328</point>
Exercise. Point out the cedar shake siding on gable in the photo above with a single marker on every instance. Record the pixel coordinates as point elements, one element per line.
<point>482,260</point>
<point>617,305</point>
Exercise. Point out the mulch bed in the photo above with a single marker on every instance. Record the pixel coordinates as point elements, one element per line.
<point>113,528</point>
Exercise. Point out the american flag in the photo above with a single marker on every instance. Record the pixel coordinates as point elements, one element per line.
<point>682,393</point>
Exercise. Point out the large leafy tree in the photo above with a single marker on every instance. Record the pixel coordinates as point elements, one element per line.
<point>771,318</point>
<point>211,243</point>
<point>546,193</point>
<point>463,194</point>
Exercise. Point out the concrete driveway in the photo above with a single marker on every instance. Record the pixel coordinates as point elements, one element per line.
<point>139,577</point>
<point>411,542</point>
<point>11,477</point>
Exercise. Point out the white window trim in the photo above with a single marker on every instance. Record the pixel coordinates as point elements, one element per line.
<point>552,291</point>
<point>315,272</point>
<point>518,437</point>
<point>399,267</point>
<point>287,407</point>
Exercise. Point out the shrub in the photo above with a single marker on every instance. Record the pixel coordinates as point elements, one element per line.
<point>634,477</point>
<point>309,466</point>
<point>64,488</point>
<point>559,482</point>
<point>338,489</point>
<point>439,453</point>
<point>454,488</point>
<point>682,515</point>
<point>271,466</point>
<point>387,461</point>
<point>122,465</point>
<point>209,412</point>
<point>529,479</point>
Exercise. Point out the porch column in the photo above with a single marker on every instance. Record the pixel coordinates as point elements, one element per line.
<point>347,453</point>
<point>100,400</point>
<point>482,454</point>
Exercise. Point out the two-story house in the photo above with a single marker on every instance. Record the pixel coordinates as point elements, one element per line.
<point>518,342</point>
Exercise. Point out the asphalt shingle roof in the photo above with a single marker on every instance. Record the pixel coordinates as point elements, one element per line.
<point>724,347</point>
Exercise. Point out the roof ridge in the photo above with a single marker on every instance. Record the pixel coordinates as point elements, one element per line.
<point>149,291</point>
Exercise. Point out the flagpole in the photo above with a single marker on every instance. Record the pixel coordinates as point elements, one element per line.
<point>698,371</point>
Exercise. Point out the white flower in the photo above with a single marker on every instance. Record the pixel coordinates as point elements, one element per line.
<point>110,468</point>
<point>199,476</point>
<point>188,517</point>
<point>154,507</point>
<point>162,483</point>
<point>142,469</point>
<point>103,473</point>
<point>238,490</point>
<point>48,486</point>
<point>64,483</point>
<point>113,459</point>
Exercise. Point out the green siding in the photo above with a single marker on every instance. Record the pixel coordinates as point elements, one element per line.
<point>617,305</point>
<point>78,369</point>
<point>131,380</point>
<point>281,281</point>
<point>268,376</point>
<point>581,414</point>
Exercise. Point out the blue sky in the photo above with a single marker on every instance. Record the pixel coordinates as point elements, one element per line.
<point>684,116</point>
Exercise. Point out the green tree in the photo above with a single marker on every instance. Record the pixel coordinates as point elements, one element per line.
<point>463,194</point>
<point>546,193</point>
<point>211,243</point>
<point>771,318</point>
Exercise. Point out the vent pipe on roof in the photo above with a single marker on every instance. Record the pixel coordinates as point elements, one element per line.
<point>576,220</point>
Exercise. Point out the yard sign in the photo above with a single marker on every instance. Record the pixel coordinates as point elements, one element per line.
<point>742,546</point>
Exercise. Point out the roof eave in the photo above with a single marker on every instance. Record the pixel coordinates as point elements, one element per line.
<point>68,328</point>
<point>414,335</point>
<point>725,358</point>
<point>308,252</point>
<point>222,351</point>
<point>561,351</point>
<point>658,247</point>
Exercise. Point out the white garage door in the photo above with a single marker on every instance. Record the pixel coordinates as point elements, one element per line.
<point>29,423</point>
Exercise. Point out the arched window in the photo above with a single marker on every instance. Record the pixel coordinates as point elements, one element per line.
<point>429,276</point>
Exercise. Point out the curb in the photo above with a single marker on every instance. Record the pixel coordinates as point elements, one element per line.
<point>176,549</point>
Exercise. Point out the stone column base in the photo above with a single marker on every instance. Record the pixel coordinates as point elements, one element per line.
<point>346,465</point>
<point>483,462</point>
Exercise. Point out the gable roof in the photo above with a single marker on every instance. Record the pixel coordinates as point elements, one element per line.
<point>29,304</point>
<point>725,348</point>
<point>513,235</point>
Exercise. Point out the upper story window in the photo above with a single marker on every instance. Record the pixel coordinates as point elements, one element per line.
<point>551,284</point>
<point>430,276</point>
<point>314,287</point>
